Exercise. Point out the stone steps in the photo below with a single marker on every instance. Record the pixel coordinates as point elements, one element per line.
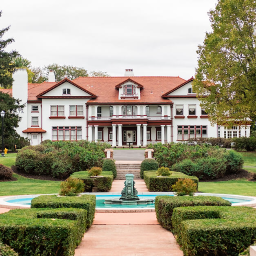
<point>125,167</point>
<point>121,174</point>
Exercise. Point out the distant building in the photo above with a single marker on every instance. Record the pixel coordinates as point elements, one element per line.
<point>135,110</point>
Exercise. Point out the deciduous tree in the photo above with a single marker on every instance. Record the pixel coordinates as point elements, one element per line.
<point>225,80</point>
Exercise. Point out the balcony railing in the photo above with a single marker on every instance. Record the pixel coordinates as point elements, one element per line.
<point>130,117</point>
<point>124,96</point>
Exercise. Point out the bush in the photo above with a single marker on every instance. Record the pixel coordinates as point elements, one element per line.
<point>185,187</point>
<point>102,183</point>
<point>43,231</point>
<point>148,165</point>
<point>95,171</point>
<point>5,172</point>
<point>214,230</point>
<point>245,143</point>
<point>165,205</point>
<point>71,187</point>
<point>234,161</point>
<point>164,184</point>
<point>87,202</point>
<point>163,171</point>
<point>6,250</point>
<point>109,166</point>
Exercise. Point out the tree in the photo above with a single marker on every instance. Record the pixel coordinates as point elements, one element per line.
<point>38,75</point>
<point>11,107</point>
<point>6,64</point>
<point>225,80</point>
<point>98,74</point>
<point>70,72</point>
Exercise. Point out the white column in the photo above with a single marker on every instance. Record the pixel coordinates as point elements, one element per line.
<point>120,135</point>
<point>169,111</point>
<point>114,111</point>
<point>221,132</point>
<point>144,111</point>
<point>168,133</point>
<point>163,112</point>
<point>138,134</point>
<point>90,113</point>
<point>162,133</point>
<point>138,110</point>
<point>95,111</point>
<point>144,135</point>
<point>247,128</point>
<point>90,133</point>
<point>113,135</point>
<point>96,133</point>
<point>120,111</point>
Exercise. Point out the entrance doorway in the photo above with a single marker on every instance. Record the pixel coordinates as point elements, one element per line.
<point>129,136</point>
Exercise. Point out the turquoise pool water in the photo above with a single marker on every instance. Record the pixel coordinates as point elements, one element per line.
<point>100,201</point>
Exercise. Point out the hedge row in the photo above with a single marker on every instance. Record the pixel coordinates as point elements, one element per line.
<point>6,250</point>
<point>32,232</point>
<point>245,144</point>
<point>103,184</point>
<point>165,206</point>
<point>156,183</point>
<point>109,166</point>
<point>87,202</point>
<point>216,230</point>
<point>148,165</point>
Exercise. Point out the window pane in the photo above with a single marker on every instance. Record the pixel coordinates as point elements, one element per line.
<point>148,135</point>
<point>110,111</point>
<point>179,110</point>
<point>34,121</point>
<point>129,89</point>
<point>99,135</point>
<point>34,108</point>
<point>60,110</point>
<point>129,110</point>
<point>192,110</point>
<point>98,111</point>
<point>147,110</point>
<point>203,112</point>
<point>60,133</point>
<point>64,91</point>
<point>68,91</point>
<point>73,133</point>
<point>53,110</point>
<point>158,135</point>
<point>72,110</point>
<point>80,111</point>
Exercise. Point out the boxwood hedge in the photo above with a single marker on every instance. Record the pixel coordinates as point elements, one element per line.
<point>214,230</point>
<point>32,232</point>
<point>164,184</point>
<point>6,250</point>
<point>87,202</point>
<point>148,164</point>
<point>165,205</point>
<point>103,183</point>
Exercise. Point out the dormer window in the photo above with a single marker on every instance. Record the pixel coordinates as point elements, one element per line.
<point>129,89</point>
<point>190,90</point>
<point>66,91</point>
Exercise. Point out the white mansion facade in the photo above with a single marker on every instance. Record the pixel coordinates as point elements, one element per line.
<point>118,110</point>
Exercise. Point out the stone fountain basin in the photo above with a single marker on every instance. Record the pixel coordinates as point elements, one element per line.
<point>129,202</point>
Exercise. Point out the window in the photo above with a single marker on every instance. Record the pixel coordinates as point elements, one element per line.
<point>76,110</point>
<point>66,91</point>
<point>111,111</point>
<point>98,111</point>
<point>148,133</point>
<point>159,110</point>
<point>179,110</point>
<point>34,108</point>
<point>147,110</point>
<point>186,132</point>
<point>234,132</point>
<point>100,135</point>
<point>57,110</point>
<point>158,135</point>
<point>110,134</point>
<point>190,90</point>
<point>129,89</point>
<point>66,133</point>
<point>192,110</point>
<point>34,121</point>
<point>128,110</point>
<point>203,112</point>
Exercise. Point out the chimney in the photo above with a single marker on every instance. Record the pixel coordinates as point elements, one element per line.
<point>128,72</point>
<point>51,76</point>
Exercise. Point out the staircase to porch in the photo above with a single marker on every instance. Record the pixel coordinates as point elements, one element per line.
<point>125,167</point>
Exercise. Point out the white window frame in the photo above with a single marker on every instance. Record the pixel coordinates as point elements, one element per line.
<point>34,122</point>
<point>192,106</point>
<point>179,106</point>
<point>77,111</point>
<point>57,110</point>
<point>66,91</point>
<point>36,108</point>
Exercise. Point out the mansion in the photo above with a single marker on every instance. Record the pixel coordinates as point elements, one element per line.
<point>129,110</point>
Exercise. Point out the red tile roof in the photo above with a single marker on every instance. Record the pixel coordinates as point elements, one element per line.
<point>9,91</point>
<point>34,130</point>
<point>105,88</point>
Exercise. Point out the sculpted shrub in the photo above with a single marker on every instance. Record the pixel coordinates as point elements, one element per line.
<point>148,165</point>
<point>163,171</point>
<point>71,187</point>
<point>5,172</point>
<point>184,187</point>
<point>95,171</point>
<point>109,166</point>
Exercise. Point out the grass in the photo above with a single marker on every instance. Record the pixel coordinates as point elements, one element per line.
<point>128,148</point>
<point>249,158</point>
<point>8,160</point>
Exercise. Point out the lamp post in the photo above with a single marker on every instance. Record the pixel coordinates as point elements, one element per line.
<point>2,115</point>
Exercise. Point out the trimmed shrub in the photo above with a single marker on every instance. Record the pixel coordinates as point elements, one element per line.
<point>234,162</point>
<point>245,143</point>
<point>95,171</point>
<point>109,166</point>
<point>163,171</point>
<point>165,205</point>
<point>148,165</point>
<point>71,187</point>
<point>164,183</point>
<point>102,183</point>
<point>5,172</point>
<point>6,250</point>
<point>187,166</point>
<point>87,202</point>
<point>185,187</point>
<point>43,231</point>
<point>214,230</point>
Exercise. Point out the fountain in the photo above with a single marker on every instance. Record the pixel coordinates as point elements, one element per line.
<point>129,194</point>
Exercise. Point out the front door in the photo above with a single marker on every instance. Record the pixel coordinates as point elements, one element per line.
<point>129,136</point>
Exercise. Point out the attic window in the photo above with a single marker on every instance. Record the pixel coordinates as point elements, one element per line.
<point>66,91</point>
<point>190,90</point>
<point>129,89</point>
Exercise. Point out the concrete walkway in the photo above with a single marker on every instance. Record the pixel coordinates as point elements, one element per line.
<point>129,155</point>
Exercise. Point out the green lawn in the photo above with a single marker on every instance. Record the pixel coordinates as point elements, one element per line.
<point>128,148</point>
<point>249,158</point>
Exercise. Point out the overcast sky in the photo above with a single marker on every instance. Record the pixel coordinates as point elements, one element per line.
<point>155,38</point>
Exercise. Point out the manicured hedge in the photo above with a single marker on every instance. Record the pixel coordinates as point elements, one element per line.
<point>109,166</point>
<point>32,232</point>
<point>165,205</point>
<point>164,184</point>
<point>87,202</point>
<point>245,143</point>
<point>213,230</point>
<point>103,184</point>
<point>148,165</point>
<point>6,250</point>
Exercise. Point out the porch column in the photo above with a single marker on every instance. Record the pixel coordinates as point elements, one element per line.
<point>113,135</point>
<point>96,133</point>
<point>168,111</point>
<point>163,112</point>
<point>114,111</point>
<point>138,135</point>
<point>120,135</point>
<point>144,111</point>
<point>144,135</point>
<point>120,111</point>
<point>90,112</point>
<point>221,132</point>
<point>90,133</point>
<point>168,133</point>
<point>162,133</point>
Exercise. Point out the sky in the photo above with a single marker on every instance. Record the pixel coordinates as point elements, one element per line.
<point>154,38</point>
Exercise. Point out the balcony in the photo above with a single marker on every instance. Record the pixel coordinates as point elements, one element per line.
<point>103,118</point>
<point>129,96</point>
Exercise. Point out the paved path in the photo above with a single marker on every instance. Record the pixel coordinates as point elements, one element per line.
<point>129,155</point>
